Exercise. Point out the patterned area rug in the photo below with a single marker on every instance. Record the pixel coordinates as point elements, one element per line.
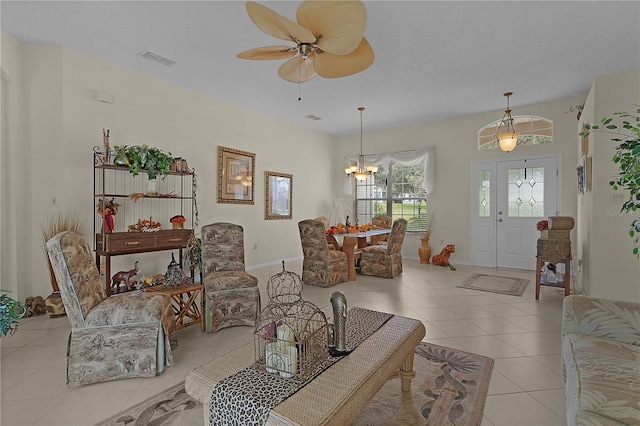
<point>450,387</point>
<point>495,284</point>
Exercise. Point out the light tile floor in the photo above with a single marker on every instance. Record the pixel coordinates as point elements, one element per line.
<point>520,333</point>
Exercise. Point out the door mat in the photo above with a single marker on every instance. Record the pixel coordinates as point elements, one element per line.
<point>495,284</point>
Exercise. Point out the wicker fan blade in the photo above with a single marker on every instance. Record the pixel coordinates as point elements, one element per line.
<point>333,66</point>
<point>268,52</point>
<point>297,70</point>
<point>277,25</point>
<point>338,25</point>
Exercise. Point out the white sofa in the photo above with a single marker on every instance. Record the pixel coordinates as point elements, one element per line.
<point>601,361</point>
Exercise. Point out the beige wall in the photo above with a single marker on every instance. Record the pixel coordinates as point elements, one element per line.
<point>609,269</point>
<point>64,121</point>
<point>55,121</point>
<point>457,141</point>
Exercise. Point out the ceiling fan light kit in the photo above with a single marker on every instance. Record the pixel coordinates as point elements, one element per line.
<point>508,138</point>
<point>329,39</point>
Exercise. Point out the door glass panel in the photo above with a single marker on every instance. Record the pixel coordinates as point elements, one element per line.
<point>484,192</point>
<point>526,192</point>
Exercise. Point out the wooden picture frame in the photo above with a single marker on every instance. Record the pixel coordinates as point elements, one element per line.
<point>584,146</point>
<point>236,176</point>
<point>587,174</point>
<point>278,196</point>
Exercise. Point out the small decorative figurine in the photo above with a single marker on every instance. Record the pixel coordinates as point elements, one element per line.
<point>339,304</point>
<point>124,277</point>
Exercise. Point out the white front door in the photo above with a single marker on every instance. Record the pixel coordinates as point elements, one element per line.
<point>508,198</point>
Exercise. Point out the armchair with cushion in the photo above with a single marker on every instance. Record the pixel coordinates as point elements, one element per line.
<point>232,296</point>
<point>380,222</point>
<point>601,361</point>
<point>321,266</point>
<point>385,260</point>
<point>111,337</point>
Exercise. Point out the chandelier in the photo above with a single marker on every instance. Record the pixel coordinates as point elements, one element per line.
<point>361,171</point>
<point>508,138</point>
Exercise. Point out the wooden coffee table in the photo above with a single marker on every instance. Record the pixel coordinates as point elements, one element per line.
<point>340,393</point>
<point>184,299</point>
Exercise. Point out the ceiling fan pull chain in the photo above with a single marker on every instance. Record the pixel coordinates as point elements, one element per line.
<point>299,78</point>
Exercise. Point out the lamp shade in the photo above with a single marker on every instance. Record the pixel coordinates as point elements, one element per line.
<point>508,141</point>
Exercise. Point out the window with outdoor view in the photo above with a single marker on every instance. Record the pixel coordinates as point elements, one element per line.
<point>396,192</point>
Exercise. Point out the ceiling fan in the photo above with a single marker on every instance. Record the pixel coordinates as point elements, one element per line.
<point>329,39</point>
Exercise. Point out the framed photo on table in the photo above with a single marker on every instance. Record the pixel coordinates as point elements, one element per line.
<point>278,196</point>
<point>236,176</point>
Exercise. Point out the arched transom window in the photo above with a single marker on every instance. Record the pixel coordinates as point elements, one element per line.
<point>533,131</point>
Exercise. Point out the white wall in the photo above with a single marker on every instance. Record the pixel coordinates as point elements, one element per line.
<point>457,141</point>
<point>55,121</point>
<point>610,269</point>
<point>65,122</point>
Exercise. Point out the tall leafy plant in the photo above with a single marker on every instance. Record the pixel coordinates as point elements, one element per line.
<point>627,157</point>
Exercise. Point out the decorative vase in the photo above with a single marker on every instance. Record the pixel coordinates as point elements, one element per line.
<point>121,158</point>
<point>177,225</point>
<point>424,251</point>
<point>544,233</point>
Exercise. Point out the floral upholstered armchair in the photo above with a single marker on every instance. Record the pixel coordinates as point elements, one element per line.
<point>111,337</point>
<point>385,260</point>
<point>380,222</point>
<point>321,266</point>
<point>232,296</point>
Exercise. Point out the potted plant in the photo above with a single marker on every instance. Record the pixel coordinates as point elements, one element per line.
<point>143,157</point>
<point>627,157</point>
<point>10,312</point>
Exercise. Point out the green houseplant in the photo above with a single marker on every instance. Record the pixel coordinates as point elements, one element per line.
<point>142,157</point>
<point>627,157</point>
<point>10,312</point>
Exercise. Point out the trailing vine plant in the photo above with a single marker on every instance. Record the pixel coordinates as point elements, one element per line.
<point>627,157</point>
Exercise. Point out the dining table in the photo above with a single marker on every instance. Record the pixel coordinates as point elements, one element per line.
<point>353,243</point>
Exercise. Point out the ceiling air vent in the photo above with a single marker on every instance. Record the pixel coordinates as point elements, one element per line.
<point>313,117</point>
<point>157,58</point>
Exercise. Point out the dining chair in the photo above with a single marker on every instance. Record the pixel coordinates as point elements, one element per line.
<point>116,337</point>
<point>331,240</point>
<point>380,222</point>
<point>385,260</point>
<point>232,296</point>
<point>321,266</point>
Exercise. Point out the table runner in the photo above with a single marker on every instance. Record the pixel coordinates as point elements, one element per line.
<point>247,397</point>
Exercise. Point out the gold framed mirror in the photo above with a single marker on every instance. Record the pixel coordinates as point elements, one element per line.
<point>278,195</point>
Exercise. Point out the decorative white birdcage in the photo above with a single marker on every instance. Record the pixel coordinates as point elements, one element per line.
<point>291,339</point>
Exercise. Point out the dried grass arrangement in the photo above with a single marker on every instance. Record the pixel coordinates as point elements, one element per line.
<point>429,229</point>
<point>54,225</point>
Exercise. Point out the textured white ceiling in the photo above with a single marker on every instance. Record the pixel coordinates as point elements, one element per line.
<point>434,59</point>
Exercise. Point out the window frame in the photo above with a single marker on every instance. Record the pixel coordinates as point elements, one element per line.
<point>417,220</point>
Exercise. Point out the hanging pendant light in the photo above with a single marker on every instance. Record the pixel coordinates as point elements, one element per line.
<point>361,171</point>
<point>508,138</point>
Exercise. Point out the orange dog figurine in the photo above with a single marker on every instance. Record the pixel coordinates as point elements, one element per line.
<point>442,259</point>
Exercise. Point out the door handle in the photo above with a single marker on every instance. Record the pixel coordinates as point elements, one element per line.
<point>500,213</point>
<point>499,220</point>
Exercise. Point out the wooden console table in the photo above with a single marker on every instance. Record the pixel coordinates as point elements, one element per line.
<point>337,395</point>
<point>123,243</point>
<point>184,299</point>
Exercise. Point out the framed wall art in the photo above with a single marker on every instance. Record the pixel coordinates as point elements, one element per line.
<point>585,141</point>
<point>278,196</point>
<point>236,176</point>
